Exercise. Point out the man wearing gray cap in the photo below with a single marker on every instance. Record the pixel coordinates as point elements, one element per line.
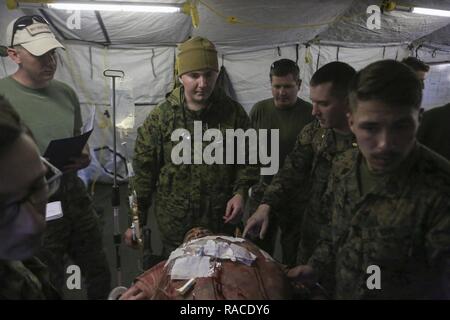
<point>52,111</point>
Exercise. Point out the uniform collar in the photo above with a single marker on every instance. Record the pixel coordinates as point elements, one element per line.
<point>392,185</point>
<point>177,98</point>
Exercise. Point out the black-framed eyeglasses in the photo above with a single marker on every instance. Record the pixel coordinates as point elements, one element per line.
<point>24,22</point>
<point>37,195</point>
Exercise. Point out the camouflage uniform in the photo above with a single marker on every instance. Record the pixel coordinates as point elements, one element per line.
<point>401,225</point>
<point>304,175</point>
<point>79,236</point>
<point>25,280</point>
<point>54,113</point>
<point>187,195</point>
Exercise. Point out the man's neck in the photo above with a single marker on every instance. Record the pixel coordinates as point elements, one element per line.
<point>285,107</point>
<point>344,130</point>
<point>195,106</point>
<point>26,81</point>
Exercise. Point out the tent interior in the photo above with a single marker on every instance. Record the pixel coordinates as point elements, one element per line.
<point>249,36</point>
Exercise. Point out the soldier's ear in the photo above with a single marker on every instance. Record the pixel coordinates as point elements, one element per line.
<point>13,54</point>
<point>181,80</point>
<point>350,120</point>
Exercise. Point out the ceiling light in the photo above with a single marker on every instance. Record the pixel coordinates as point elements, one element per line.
<point>99,6</point>
<point>432,12</point>
<point>393,6</point>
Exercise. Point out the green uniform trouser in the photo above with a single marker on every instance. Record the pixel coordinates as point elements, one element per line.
<point>77,234</point>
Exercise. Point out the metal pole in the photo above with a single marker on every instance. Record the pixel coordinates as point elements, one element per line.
<point>115,199</point>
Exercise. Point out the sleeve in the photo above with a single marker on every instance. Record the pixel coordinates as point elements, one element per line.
<point>295,171</point>
<point>323,256</point>
<point>437,243</point>
<point>253,115</point>
<point>246,175</point>
<point>255,123</point>
<point>78,120</point>
<point>146,160</point>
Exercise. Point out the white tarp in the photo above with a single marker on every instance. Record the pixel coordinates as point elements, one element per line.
<point>249,34</point>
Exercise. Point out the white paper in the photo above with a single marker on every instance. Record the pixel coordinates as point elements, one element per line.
<point>178,252</point>
<point>190,267</point>
<point>226,251</point>
<point>242,255</point>
<point>232,239</point>
<point>53,211</point>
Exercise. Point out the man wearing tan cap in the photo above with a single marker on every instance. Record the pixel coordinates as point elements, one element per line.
<point>190,195</point>
<point>52,111</point>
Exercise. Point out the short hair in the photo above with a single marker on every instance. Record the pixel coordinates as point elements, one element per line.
<point>284,67</point>
<point>416,64</point>
<point>10,126</point>
<point>338,73</point>
<point>386,81</point>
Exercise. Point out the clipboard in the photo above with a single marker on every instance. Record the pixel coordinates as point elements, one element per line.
<point>60,151</point>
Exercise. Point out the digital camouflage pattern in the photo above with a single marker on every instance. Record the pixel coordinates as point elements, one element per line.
<point>79,236</point>
<point>54,112</point>
<point>188,195</point>
<point>402,225</point>
<point>301,184</point>
<point>27,280</point>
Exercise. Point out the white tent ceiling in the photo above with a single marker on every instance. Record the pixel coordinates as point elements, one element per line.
<point>312,32</point>
<point>262,31</point>
<point>261,24</point>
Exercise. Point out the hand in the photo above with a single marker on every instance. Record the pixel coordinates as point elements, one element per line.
<point>77,163</point>
<point>235,209</point>
<point>303,275</point>
<point>128,239</point>
<point>134,293</point>
<point>258,222</point>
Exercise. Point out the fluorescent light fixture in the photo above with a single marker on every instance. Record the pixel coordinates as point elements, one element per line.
<point>136,7</point>
<point>104,6</point>
<point>392,5</point>
<point>432,12</point>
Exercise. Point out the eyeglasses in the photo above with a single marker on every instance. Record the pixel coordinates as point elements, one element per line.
<point>24,22</point>
<point>37,195</point>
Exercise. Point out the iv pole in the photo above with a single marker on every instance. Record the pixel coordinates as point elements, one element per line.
<point>115,198</point>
